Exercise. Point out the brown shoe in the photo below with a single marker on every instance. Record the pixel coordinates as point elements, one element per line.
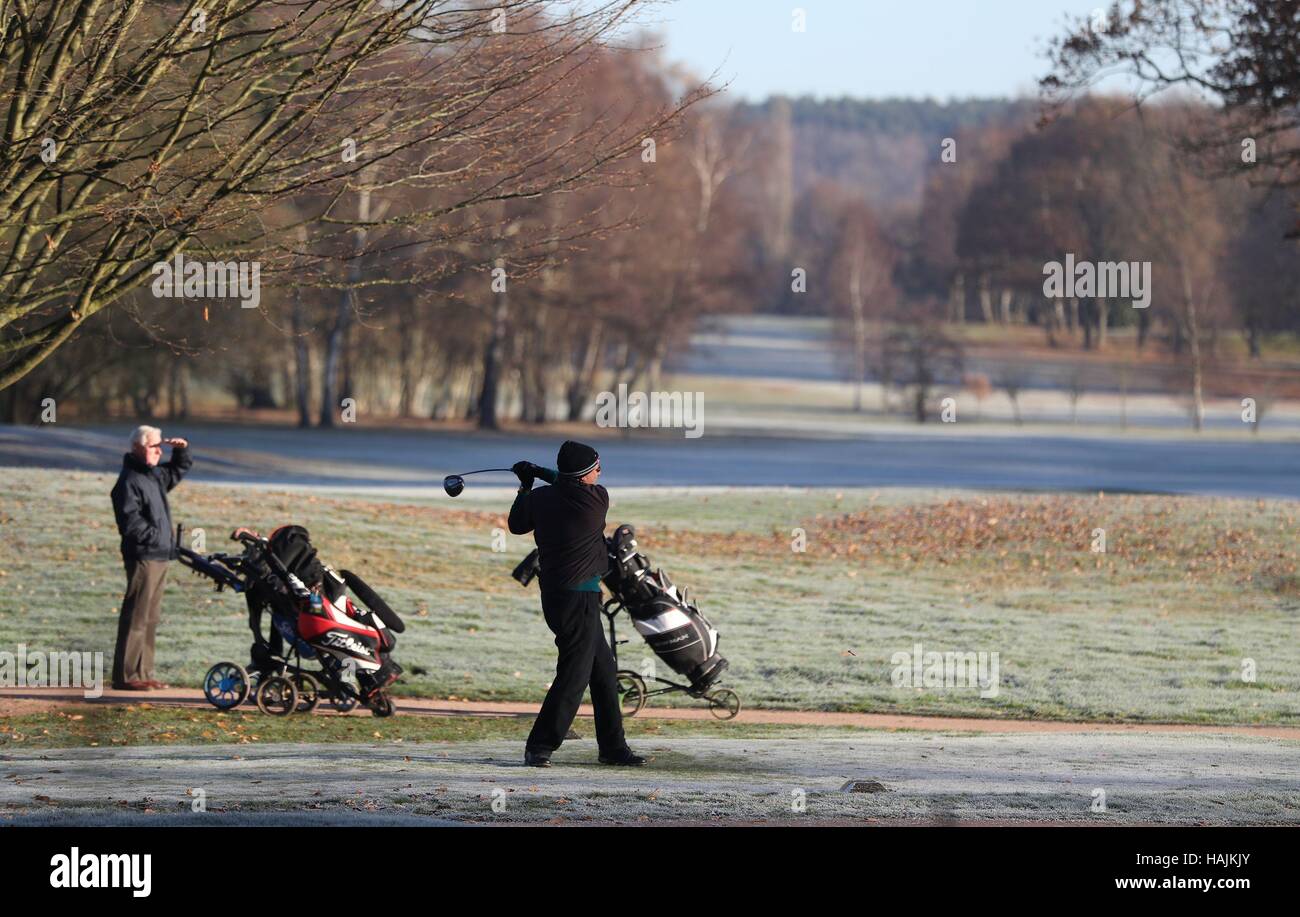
<point>132,686</point>
<point>157,685</point>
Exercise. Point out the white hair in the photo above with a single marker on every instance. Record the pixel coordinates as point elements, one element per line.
<point>142,434</point>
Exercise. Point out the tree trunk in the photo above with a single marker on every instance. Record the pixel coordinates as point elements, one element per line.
<point>493,356</point>
<point>173,384</point>
<point>184,383</point>
<point>1198,394</point>
<point>301,362</point>
<point>986,299</point>
<point>142,404</point>
<point>539,365</point>
<point>622,365</point>
<point>1194,343</point>
<point>333,353</point>
<point>337,338</point>
<point>255,389</point>
<point>859,333</point>
<point>654,368</point>
<point>406,370</point>
<point>527,393</point>
<point>347,388</point>
<point>584,376</point>
<point>957,300</point>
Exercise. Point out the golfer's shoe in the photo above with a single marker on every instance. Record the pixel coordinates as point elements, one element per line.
<point>625,758</point>
<point>537,758</point>
<point>132,686</point>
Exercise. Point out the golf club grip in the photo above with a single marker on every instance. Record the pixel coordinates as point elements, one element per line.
<point>372,601</point>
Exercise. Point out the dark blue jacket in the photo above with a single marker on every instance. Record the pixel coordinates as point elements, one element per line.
<point>144,518</point>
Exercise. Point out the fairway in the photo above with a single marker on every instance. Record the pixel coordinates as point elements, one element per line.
<point>1159,628</point>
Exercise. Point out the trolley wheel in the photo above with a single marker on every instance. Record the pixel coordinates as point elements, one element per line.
<point>342,703</point>
<point>381,704</point>
<point>276,696</point>
<point>308,691</point>
<point>724,703</point>
<point>226,685</point>
<point>632,692</point>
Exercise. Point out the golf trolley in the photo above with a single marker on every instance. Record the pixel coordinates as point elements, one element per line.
<point>280,686</point>
<point>664,615</point>
<point>633,691</point>
<point>276,677</point>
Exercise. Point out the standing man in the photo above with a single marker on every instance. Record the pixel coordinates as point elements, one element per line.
<point>144,521</point>
<point>567,520</point>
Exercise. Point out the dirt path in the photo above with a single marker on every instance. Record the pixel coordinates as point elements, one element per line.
<point>15,701</point>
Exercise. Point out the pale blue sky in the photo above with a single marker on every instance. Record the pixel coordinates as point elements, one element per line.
<point>867,48</point>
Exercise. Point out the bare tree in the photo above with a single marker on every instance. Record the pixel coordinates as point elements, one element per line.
<point>129,138</point>
<point>1243,53</point>
<point>1012,381</point>
<point>919,355</point>
<point>861,281</point>
<point>1075,388</point>
<point>1185,234</point>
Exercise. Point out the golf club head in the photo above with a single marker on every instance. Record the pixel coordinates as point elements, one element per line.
<point>453,484</point>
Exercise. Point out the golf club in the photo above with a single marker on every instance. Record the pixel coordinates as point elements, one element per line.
<point>455,483</point>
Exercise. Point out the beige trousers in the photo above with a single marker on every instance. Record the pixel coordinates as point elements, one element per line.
<point>137,622</point>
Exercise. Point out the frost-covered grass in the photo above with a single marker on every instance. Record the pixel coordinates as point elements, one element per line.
<point>798,775</point>
<point>112,725</point>
<point>1156,629</point>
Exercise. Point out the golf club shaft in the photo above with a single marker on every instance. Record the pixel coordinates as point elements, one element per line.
<point>482,471</point>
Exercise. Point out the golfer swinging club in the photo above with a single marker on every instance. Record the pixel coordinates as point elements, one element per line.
<point>567,520</point>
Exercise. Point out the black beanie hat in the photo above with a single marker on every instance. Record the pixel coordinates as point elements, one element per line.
<point>576,459</point>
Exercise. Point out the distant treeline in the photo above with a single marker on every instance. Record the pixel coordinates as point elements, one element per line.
<point>510,259</point>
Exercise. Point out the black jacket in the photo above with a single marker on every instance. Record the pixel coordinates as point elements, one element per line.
<point>568,523</point>
<point>144,519</point>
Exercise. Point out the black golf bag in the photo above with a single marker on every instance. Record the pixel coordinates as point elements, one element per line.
<point>662,614</point>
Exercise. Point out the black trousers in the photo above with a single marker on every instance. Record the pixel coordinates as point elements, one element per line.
<point>585,659</point>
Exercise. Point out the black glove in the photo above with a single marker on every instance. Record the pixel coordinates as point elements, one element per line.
<point>524,471</point>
